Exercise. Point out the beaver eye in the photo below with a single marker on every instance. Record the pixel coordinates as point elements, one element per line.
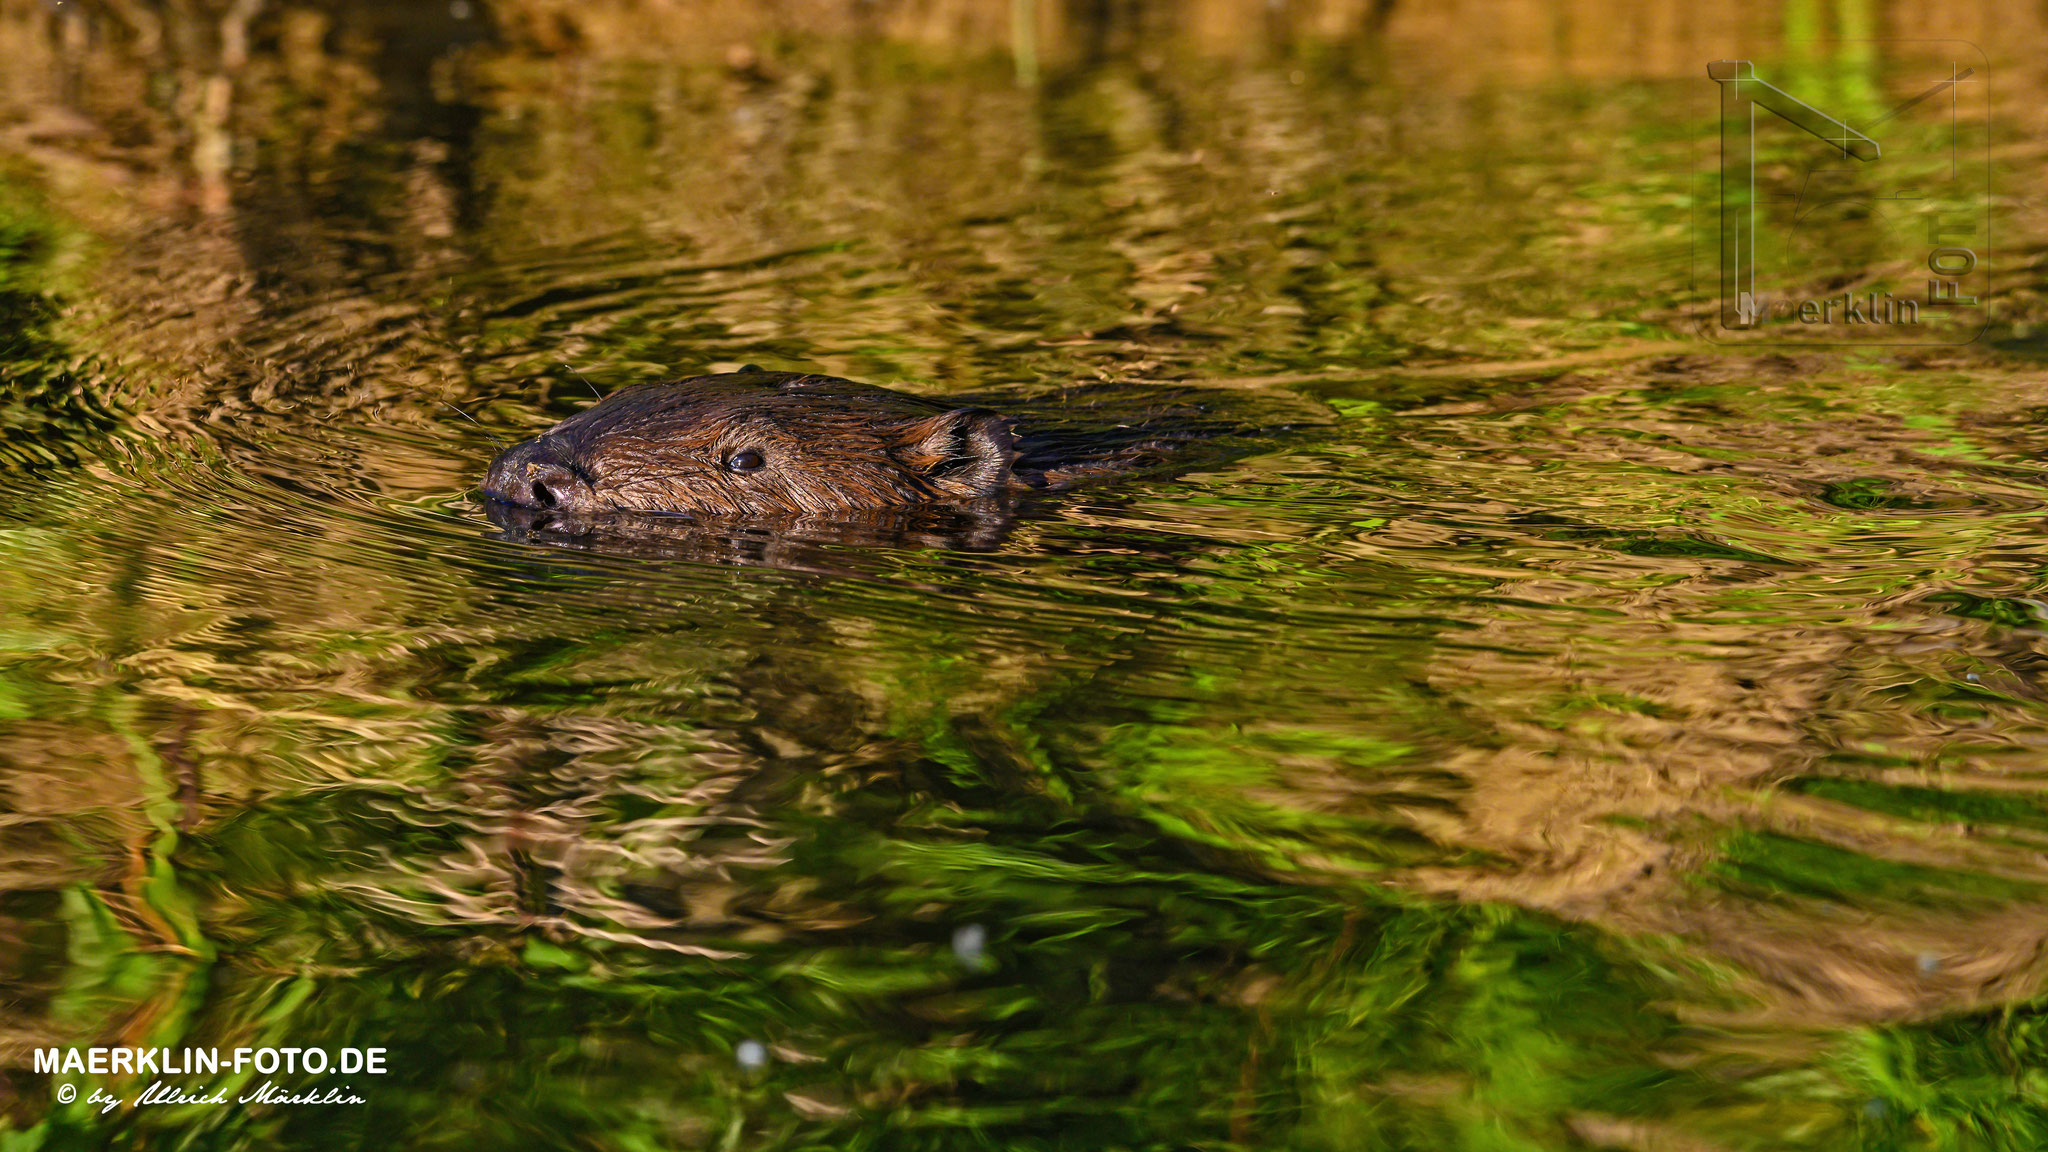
<point>745,460</point>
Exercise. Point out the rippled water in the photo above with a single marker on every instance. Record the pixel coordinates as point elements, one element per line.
<point>1529,728</point>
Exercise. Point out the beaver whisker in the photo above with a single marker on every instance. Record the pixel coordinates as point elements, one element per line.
<point>586,381</point>
<point>466,416</point>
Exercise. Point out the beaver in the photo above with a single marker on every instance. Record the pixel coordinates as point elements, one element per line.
<point>785,446</point>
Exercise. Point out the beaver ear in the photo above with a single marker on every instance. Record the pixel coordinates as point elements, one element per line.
<point>965,452</point>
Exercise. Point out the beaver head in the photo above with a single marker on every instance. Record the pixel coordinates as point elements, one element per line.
<point>755,444</point>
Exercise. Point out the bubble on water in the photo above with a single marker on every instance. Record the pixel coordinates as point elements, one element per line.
<point>459,9</point>
<point>1875,1109</point>
<point>970,945</point>
<point>751,1054</point>
<point>1928,963</point>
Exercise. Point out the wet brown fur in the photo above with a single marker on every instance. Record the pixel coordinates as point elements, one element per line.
<point>828,447</point>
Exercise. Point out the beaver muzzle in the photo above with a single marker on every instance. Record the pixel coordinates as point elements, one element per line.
<point>541,473</point>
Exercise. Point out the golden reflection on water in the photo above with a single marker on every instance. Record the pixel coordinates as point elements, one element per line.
<point>1544,725</point>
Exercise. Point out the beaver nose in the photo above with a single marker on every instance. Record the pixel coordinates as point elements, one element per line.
<point>553,486</point>
<point>538,474</point>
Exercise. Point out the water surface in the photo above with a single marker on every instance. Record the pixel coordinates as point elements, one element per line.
<point>1545,729</point>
